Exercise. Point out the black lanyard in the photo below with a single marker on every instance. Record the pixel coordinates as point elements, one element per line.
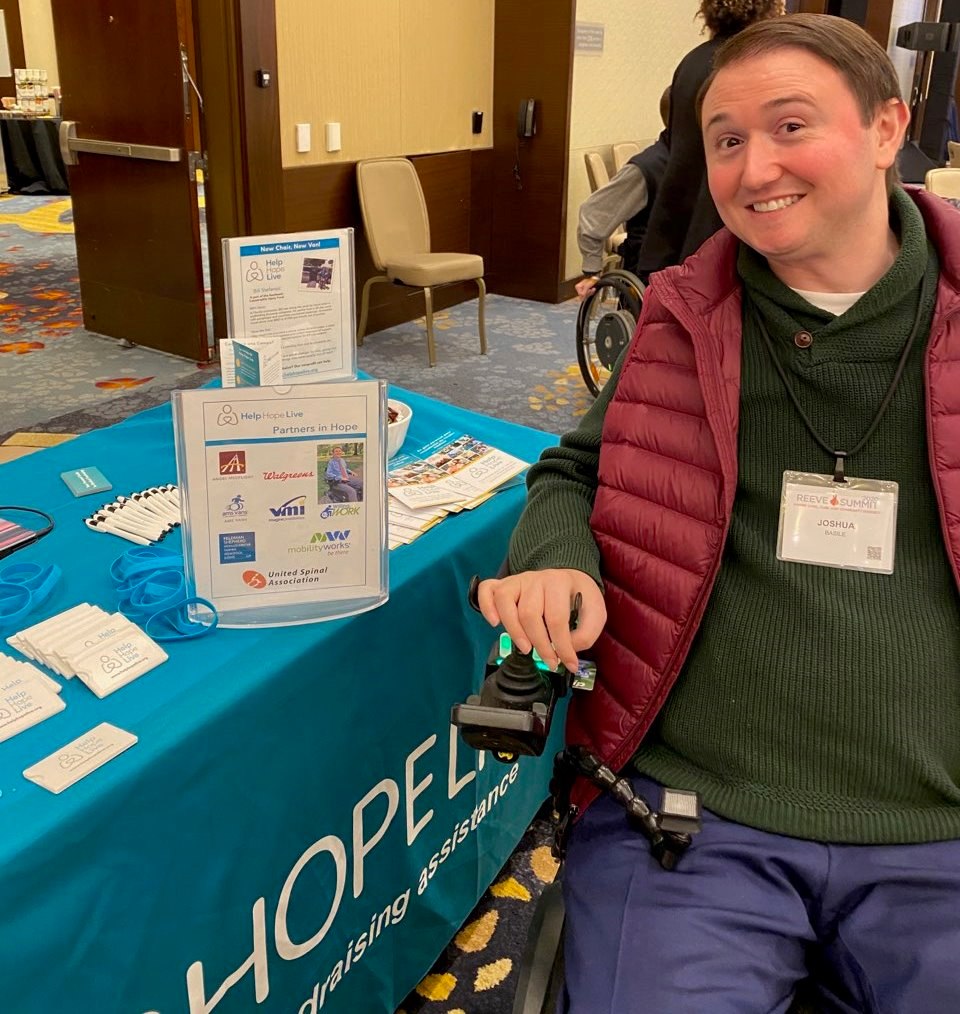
<point>840,455</point>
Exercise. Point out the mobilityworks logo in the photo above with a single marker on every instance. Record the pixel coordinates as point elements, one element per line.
<point>295,507</point>
<point>335,543</point>
<point>335,536</point>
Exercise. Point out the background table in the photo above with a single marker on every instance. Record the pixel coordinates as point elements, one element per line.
<point>31,152</point>
<point>253,851</point>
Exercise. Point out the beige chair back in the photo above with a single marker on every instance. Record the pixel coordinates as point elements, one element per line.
<point>394,209</point>
<point>623,152</point>
<point>596,170</point>
<point>945,182</point>
<point>953,153</point>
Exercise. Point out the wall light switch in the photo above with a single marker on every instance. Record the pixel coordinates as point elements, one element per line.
<point>303,137</point>
<point>332,136</point>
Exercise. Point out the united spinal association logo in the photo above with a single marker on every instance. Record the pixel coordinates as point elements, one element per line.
<point>254,579</point>
<point>233,463</point>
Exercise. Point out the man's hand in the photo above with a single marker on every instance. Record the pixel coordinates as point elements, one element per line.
<point>586,286</point>
<point>534,608</point>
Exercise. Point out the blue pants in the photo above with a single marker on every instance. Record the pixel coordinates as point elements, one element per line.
<point>747,915</point>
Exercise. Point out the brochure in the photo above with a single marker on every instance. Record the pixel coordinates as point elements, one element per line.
<point>257,363</point>
<point>290,296</point>
<point>283,497</point>
<point>456,468</point>
<point>454,472</point>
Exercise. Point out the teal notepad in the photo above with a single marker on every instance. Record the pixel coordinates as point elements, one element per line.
<point>82,481</point>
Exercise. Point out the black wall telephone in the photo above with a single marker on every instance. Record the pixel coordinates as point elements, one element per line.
<point>527,118</point>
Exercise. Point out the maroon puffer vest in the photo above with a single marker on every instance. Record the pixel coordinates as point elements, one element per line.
<point>668,476</point>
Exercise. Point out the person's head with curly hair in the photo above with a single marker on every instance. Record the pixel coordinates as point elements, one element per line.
<point>727,17</point>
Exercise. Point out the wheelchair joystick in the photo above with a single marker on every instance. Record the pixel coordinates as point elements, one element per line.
<point>513,712</point>
<point>512,715</point>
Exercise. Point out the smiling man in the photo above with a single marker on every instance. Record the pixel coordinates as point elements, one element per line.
<point>783,130</point>
<point>762,515</point>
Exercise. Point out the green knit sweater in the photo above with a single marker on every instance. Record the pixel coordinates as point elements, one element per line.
<point>815,702</point>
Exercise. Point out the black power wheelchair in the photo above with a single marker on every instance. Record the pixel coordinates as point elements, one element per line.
<point>334,494</point>
<point>511,716</point>
<point>605,324</point>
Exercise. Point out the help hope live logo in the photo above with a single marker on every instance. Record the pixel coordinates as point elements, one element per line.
<point>330,874</point>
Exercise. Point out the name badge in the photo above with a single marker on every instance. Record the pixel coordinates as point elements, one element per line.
<point>852,524</point>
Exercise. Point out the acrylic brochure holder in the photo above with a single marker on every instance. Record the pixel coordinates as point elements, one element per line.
<point>283,492</point>
<point>291,308</point>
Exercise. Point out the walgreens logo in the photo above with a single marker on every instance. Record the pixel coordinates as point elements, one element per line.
<point>283,476</point>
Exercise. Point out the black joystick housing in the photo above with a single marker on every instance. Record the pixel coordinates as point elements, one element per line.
<point>514,709</point>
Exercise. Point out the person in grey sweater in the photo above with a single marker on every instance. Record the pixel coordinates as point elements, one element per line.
<point>628,197</point>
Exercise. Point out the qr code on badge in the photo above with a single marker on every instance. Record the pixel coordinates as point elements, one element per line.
<point>874,552</point>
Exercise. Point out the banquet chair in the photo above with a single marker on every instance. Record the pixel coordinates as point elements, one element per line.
<point>398,233</point>
<point>623,152</point>
<point>597,174</point>
<point>944,182</point>
<point>953,154</point>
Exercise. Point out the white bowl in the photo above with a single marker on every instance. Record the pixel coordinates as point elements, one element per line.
<point>397,431</point>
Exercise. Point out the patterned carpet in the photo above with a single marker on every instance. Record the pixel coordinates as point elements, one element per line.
<point>49,365</point>
<point>56,377</point>
<point>477,973</point>
<point>529,375</point>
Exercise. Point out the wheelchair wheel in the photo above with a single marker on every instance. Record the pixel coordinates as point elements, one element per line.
<point>540,981</point>
<point>605,325</point>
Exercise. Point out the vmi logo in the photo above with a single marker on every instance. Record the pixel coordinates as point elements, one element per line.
<point>233,462</point>
<point>295,507</point>
<point>331,536</point>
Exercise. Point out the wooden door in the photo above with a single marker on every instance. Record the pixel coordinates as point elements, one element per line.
<point>137,219</point>
<point>11,19</point>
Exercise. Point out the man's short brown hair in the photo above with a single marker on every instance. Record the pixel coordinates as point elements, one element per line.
<point>851,51</point>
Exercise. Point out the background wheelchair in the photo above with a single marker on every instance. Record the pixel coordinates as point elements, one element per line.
<point>605,324</point>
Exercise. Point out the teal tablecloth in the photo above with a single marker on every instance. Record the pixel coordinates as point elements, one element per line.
<point>254,851</point>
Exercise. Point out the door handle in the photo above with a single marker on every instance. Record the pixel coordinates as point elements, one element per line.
<point>71,146</point>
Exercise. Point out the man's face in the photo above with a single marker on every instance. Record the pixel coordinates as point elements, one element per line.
<point>793,170</point>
